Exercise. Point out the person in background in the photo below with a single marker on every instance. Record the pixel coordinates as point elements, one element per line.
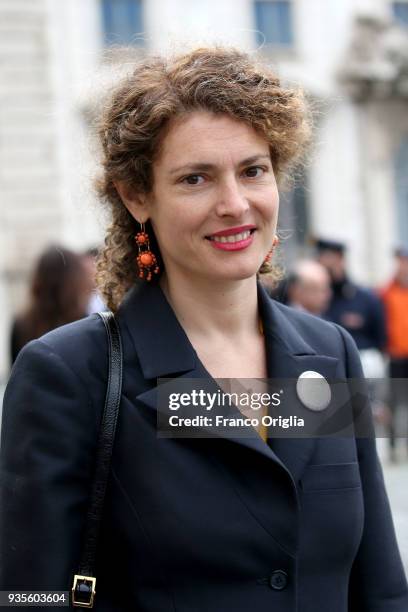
<point>59,294</point>
<point>395,300</point>
<point>358,309</point>
<point>309,287</point>
<point>95,304</point>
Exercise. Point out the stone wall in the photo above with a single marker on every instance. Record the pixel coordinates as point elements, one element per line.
<point>29,195</point>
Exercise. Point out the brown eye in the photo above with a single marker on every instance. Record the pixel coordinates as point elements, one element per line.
<point>254,171</point>
<point>192,179</point>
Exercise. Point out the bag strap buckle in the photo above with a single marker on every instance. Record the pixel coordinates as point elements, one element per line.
<point>83,591</point>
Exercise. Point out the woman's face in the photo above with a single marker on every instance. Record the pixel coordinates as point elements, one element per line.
<point>214,202</point>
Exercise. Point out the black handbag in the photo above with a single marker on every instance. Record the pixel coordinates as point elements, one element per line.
<point>84,584</point>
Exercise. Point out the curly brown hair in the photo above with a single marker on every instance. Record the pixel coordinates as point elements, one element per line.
<point>136,119</point>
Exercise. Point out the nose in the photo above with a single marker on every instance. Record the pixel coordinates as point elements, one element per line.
<point>231,200</point>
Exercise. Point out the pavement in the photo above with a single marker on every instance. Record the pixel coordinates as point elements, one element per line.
<point>396,480</point>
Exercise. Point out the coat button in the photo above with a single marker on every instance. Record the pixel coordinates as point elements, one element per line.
<point>278,580</point>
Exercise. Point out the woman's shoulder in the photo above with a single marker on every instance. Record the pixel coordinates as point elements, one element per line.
<point>325,337</point>
<point>301,318</point>
<point>80,346</point>
<point>59,380</point>
<point>87,333</point>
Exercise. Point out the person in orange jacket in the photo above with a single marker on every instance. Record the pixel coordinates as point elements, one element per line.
<point>395,299</point>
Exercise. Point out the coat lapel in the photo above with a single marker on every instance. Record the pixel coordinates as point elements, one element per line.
<point>289,355</point>
<point>168,353</point>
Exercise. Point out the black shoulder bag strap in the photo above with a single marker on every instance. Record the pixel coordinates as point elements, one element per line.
<point>84,585</point>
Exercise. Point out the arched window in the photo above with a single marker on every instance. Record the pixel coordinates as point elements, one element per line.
<point>401,190</point>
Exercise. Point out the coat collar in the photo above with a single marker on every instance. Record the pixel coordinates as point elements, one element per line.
<point>288,356</point>
<point>155,332</point>
<point>145,308</point>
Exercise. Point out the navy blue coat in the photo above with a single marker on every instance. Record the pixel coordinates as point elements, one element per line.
<point>190,525</point>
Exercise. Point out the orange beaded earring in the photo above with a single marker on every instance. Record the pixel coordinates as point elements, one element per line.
<point>146,260</point>
<point>270,253</point>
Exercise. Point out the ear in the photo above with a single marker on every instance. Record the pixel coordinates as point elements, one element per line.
<point>135,202</point>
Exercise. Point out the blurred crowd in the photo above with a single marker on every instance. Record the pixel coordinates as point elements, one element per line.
<point>63,289</point>
<point>377,319</point>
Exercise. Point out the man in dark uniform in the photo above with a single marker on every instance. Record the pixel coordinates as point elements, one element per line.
<point>356,308</point>
<point>360,311</point>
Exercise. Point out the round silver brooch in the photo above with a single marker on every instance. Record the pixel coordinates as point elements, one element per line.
<point>313,390</point>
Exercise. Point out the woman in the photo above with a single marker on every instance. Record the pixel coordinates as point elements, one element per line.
<point>59,293</point>
<point>193,148</point>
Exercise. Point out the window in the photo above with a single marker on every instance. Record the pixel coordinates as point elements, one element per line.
<point>122,22</point>
<point>294,220</point>
<point>401,190</point>
<point>400,10</point>
<point>273,20</point>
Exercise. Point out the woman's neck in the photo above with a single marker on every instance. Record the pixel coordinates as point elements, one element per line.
<point>214,310</point>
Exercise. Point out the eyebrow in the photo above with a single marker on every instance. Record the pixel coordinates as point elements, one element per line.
<point>202,166</point>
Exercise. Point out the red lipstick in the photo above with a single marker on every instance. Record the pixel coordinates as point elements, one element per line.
<point>243,237</point>
<point>234,230</point>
